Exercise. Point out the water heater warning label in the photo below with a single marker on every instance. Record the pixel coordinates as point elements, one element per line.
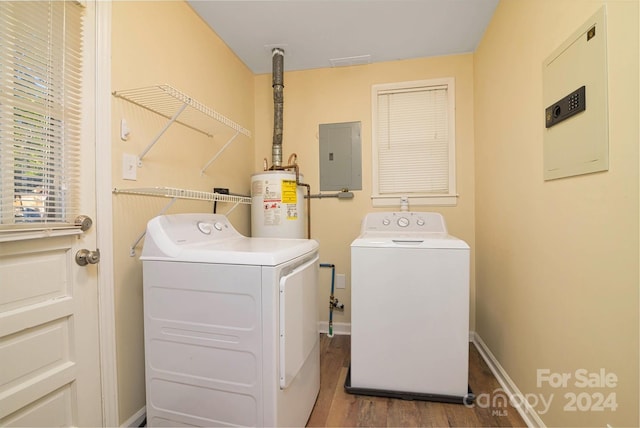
<point>292,212</point>
<point>279,200</point>
<point>289,195</point>
<point>271,213</point>
<point>290,198</point>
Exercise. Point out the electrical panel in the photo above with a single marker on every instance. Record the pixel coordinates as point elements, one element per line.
<point>340,156</point>
<point>576,133</point>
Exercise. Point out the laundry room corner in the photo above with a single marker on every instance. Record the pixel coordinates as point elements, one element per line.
<point>166,44</point>
<point>343,94</point>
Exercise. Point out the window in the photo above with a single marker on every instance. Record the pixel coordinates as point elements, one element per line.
<point>414,143</point>
<point>40,97</point>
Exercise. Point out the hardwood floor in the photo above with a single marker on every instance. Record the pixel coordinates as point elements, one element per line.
<point>336,408</point>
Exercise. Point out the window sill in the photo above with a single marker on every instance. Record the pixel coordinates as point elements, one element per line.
<point>9,235</point>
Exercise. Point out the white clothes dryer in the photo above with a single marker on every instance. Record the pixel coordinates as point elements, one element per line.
<point>230,325</point>
<point>410,309</point>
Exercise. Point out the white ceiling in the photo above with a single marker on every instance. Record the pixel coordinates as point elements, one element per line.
<point>314,32</point>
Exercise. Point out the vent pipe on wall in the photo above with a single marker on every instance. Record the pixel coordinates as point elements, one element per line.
<point>277,56</point>
<point>278,105</point>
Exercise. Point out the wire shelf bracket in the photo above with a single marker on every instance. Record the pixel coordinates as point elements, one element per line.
<point>180,108</point>
<point>212,160</point>
<point>160,134</point>
<point>174,194</point>
<point>132,248</point>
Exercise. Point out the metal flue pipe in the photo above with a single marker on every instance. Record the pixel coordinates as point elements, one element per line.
<point>277,55</point>
<point>278,105</point>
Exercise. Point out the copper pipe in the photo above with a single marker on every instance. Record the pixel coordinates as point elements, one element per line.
<point>298,183</point>
<point>308,207</point>
<point>295,159</point>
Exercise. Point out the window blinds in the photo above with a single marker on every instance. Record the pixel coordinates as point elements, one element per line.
<point>413,141</point>
<point>40,117</point>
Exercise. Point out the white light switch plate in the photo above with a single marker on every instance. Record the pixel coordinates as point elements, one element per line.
<point>340,281</point>
<point>129,167</point>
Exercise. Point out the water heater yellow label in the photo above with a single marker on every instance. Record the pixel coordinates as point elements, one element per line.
<point>289,194</point>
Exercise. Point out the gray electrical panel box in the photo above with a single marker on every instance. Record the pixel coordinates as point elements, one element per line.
<point>574,80</point>
<point>340,156</point>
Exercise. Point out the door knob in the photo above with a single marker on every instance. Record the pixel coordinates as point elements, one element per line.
<point>84,222</point>
<point>86,257</point>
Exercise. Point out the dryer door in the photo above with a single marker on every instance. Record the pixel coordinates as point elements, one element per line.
<point>298,319</point>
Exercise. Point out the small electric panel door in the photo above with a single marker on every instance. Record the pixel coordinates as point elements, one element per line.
<point>340,156</point>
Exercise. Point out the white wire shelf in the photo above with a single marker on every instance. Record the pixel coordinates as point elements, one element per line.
<point>178,107</point>
<point>166,101</point>
<point>171,192</point>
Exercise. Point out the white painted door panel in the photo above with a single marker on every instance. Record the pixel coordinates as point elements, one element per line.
<point>48,335</point>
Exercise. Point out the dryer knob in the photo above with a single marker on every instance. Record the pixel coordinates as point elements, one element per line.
<point>386,222</point>
<point>204,227</point>
<point>403,222</point>
<point>420,222</point>
<point>218,226</point>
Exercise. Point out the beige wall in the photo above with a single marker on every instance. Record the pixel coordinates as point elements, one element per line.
<point>335,95</point>
<point>557,262</point>
<point>156,43</point>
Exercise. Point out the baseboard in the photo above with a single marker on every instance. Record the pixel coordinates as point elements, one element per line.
<point>528,413</point>
<point>338,327</point>
<point>136,420</point>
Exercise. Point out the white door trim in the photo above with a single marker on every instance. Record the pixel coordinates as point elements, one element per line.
<point>104,220</point>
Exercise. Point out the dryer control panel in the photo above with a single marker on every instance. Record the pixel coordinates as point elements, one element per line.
<point>184,229</point>
<point>403,221</point>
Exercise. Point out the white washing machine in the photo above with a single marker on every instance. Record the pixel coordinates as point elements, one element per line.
<point>410,309</point>
<point>230,325</point>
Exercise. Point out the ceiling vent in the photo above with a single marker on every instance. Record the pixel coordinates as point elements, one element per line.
<point>350,60</point>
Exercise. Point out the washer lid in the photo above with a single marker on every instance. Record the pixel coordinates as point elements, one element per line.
<point>408,240</point>
<point>210,238</point>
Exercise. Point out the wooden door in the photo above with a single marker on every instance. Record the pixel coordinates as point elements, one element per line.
<point>49,335</point>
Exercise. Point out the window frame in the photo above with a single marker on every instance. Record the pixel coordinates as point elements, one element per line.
<point>418,199</point>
